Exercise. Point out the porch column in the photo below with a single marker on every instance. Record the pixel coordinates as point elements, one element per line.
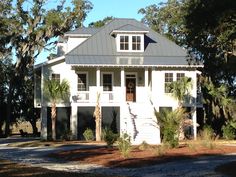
<point>194,95</point>
<point>122,83</point>
<point>98,78</point>
<point>43,114</point>
<point>73,121</point>
<point>194,117</point>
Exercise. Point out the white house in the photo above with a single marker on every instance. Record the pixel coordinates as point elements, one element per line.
<point>130,66</point>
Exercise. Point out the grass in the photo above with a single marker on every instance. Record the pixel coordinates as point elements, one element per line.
<point>10,169</point>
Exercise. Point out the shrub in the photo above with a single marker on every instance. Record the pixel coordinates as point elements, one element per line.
<point>228,132</point>
<point>88,135</point>
<point>124,145</point>
<point>160,150</point>
<point>67,136</point>
<point>170,122</point>
<point>207,137</point>
<point>110,137</point>
<point>143,146</point>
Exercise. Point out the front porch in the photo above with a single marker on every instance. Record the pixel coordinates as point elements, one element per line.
<point>115,85</point>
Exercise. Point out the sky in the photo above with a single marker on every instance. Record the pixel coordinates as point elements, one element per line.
<point>115,8</point>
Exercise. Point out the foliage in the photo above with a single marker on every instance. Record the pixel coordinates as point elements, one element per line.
<point>211,38</point>
<point>167,19</point>
<point>109,137</point>
<point>67,136</point>
<point>143,146</point>
<point>124,145</point>
<point>55,91</point>
<point>170,122</point>
<point>88,134</point>
<point>207,137</point>
<point>180,89</point>
<point>101,23</point>
<point>229,132</point>
<point>161,150</point>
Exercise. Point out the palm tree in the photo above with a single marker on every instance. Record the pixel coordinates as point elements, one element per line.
<point>180,89</point>
<point>55,92</point>
<point>97,116</point>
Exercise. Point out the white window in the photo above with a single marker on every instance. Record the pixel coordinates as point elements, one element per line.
<point>124,42</point>
<point>136,42</point>
<point>107,81</point>
<point>56,77</point>
<point>82,82</point>
<point>168,81</point>
<point>179,76</point>
<point>130,42</point>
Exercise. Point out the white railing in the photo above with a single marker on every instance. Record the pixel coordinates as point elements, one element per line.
<point>107,97</point>
<point>81,96</point>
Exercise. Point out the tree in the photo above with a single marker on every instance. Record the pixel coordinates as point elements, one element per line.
<point>101,23</point>
<point>167,19</point>
<point>180,89</point>
<point>97,116</point>
<point>29,30</point>
<point>211,37</point>
<point>55,92</point>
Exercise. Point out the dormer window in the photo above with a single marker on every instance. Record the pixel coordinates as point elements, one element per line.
<point>136,42</point>
<point>130,42</point>
<point>124,42</point>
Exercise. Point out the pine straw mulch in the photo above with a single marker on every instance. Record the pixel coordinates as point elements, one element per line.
<point>111,157</point>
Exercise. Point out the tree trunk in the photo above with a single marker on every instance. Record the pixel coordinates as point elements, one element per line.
<point>9,109</point>
<point>34,127</point>
<point>53,117</point>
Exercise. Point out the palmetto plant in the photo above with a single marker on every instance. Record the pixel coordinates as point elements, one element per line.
<point>55,92</point>
<point>180,89</point>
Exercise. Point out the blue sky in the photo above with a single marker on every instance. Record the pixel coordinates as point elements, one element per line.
<point>115,8</point>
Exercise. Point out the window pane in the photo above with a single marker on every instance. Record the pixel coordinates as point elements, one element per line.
<point>82,82</point>
<point>107,82</point>
<point>56,77</point>
<point>179,76</point>
<point>124,42</point>
<point>136,45</point>
<point>168,81</point>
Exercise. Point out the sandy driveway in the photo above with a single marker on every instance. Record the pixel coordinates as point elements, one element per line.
<point>203,166</point>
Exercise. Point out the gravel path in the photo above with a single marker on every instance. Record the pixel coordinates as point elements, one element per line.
<point>35,156</point>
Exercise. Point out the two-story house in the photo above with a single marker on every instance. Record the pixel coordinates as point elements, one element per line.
<point>129,65</point>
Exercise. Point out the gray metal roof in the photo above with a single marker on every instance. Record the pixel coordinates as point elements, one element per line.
<point>130,28</point>
<point>101,47</point>
<point>83,30</point>
<point>126,60</point>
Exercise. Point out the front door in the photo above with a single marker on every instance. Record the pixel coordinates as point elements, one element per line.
<point>131,89</point>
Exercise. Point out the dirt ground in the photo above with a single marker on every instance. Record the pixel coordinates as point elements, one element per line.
<point>111,157</point>
<point>10,169</point>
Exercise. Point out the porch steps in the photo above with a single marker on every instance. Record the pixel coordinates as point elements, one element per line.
<point>142,123</point>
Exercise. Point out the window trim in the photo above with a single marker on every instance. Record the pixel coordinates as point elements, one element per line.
<point>112,81</point>
<point>165,83</point>
<point>53,78</point>
<point>86,87</point>
<point>130,48</point>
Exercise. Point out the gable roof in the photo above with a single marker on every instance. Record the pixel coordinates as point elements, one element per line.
<point>100,48</point>
<point>81,31</point>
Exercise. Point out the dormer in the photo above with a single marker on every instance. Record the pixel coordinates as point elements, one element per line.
<point>129,38</point>
<point>72,39</point>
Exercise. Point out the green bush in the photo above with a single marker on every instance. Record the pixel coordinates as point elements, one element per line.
<point>144,145</point>
<point>170,122</point>
<point>124,145</point>
<point>67,136</point>
<point>88,135</point>
<point>109,137</point>
<point>228,132</point>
